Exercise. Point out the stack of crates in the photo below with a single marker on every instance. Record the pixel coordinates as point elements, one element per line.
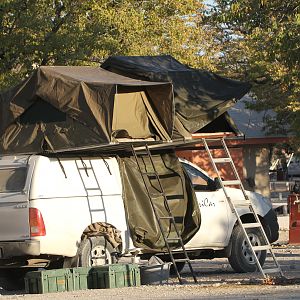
<point>101,277</point>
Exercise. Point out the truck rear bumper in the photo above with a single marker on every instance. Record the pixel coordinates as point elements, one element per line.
<point>21,248</point>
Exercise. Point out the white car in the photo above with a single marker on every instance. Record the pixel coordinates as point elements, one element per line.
<point>219,234</point>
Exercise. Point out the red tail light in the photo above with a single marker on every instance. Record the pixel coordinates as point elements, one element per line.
<point>36,223</point>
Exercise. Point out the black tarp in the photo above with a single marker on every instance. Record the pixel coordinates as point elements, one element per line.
<point>59,108</point>
<point>200,96</point>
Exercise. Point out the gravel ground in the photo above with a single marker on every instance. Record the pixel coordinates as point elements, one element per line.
<point>216,280</point>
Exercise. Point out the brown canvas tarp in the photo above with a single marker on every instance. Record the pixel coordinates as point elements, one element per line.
<point>181,197</point>
<point>59,108</point>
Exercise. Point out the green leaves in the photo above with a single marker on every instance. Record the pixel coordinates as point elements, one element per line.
<point>267,51</point>
<point>77,32</point>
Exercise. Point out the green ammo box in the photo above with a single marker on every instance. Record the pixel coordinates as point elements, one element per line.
<point>82,278</point>
<point>108,276</point>
<point>49,281</point>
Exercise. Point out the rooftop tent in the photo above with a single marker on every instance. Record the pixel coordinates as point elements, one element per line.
<point>200,96</point>
<point>59,108</point>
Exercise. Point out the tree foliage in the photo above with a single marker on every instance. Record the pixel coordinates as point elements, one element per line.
<point>260,41</point>
<point>81,32</point>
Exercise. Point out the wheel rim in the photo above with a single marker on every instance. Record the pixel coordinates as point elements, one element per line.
<point>246,251</point>
<point>99,256</point>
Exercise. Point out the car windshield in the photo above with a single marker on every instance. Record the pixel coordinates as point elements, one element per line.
<point>12,179</point>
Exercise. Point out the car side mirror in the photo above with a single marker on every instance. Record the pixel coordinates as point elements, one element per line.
<point>211,185</point>
<point>217,183</point>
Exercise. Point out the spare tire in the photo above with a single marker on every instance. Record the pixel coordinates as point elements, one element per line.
<point>93,251</point>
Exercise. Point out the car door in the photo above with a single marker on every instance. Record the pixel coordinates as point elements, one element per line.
<point>213,207</point>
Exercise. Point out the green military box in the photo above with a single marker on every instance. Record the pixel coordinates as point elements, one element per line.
<point>49,281</point>
<point>81,278</point>
<point>108,276</point>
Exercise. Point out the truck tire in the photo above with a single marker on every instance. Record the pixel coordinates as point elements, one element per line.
<point>241,259</point>
<point>93,251</point>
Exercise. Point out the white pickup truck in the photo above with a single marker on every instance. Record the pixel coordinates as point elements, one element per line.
<point>45,213</point>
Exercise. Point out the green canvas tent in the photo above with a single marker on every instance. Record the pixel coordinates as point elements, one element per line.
<point>60,108</point>
<point>201,98</point>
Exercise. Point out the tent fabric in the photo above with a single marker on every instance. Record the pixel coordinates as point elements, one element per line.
<point>181,197</point>
<point>136,120</point>
<point>200,96</point>
<point>61,107</point>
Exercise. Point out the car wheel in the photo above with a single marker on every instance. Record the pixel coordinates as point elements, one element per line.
<point>241,258</point>
<point>93,251</point>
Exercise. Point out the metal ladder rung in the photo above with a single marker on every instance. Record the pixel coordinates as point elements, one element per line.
<point>220,160</point>
<point>260,248</point>
<point>166,218</point>
<point>92,189</point>
<point>251,225</point>
<point>274,270</point>
<point>83,168</point>
<point>142,153</point>
<point>181,259</point>
<point>173,239</point>
<point>231,182</point>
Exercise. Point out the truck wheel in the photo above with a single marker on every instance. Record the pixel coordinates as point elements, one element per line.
<point>93,251</point>
<point>241,258</point>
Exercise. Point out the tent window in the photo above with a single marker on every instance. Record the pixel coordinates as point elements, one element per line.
<point>42,112</point>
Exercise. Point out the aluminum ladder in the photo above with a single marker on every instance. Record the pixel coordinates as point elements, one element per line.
<point>144,152</point>
<point>92,187</point>
<point>246,202</point>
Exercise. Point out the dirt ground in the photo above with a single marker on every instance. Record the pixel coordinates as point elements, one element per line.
<point>216,280</point>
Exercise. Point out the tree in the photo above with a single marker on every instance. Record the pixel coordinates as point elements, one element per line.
<point>78,32</point>
<point>260,42</point>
